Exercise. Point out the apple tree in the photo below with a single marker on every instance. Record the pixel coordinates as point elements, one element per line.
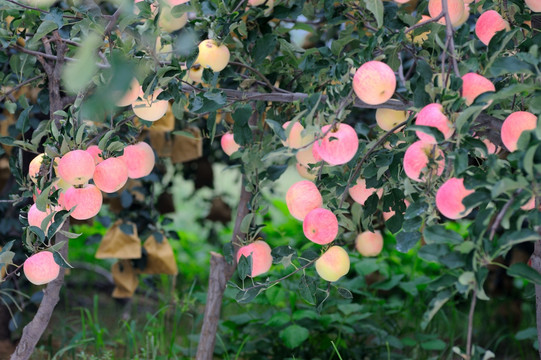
<point>403,117</point>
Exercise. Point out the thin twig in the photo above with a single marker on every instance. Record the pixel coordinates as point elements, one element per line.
<point>17,87</point>
<point>282,278</point>
<point>449,34</point>
<point>41,10</point>
<point>49,56</point>
<point>423,23</point>
<point>496,224</point>
<point>470,323</point>
<point>258,73</point>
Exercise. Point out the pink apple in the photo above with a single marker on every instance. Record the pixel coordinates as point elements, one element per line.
<point>320,226</point>
<point>417,161</point>
<point>514,125</point>
<point>488,24</point>
<point>229,146</point>
<point>432,115</point>
<point>261,256</point>
<point>474,85</point>
<point>374,82</point>
<point>449,199</point>
<point>41,268</point>
<point>111,174</point>
<point>76,167</point>
<point>303,197</point>
<point>360,193</point>
<point>339,146</point>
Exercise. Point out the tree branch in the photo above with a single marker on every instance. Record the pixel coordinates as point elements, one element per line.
<point>357,171</point>
<point>35,328</point>
<point>41,10</point>
<point>220,273</point>
<point>18,86</point>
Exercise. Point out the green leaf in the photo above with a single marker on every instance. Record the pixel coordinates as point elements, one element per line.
<point>246,222</point>
<point>275,171</point>
<point>435,305</point>
<point>244,266</point>
<point>376,8</point>
<point>521,270</point>
<point>510,65</point>
<point>307,289</point>
<point>69,235</point>
<point>78,73</point>
<point>294,335</point>
<point>277,128</point>
<point>44,28</point>
<point>244,297</point>
<point>283,255</point>
<point>434,345</point>
<point>405,241</point>
<point>263,47</point>
<point>59,259</point>
<point>241,129</point>
<point>6,257</point>
<point>429,130</point>
<point>437,234</point>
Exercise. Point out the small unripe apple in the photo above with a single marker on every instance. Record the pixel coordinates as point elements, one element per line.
<point>339,146</point>
<point>41,268</point>
<point>514,125</point>
<point>474,85</point>
<point>303,197</point>
<point>150,109</point>
<point>432,115</point>
<point>167,22</point>
<point>76,167</point>
<point>111,174</point>
<point>488,24</point>
<point>213,55</point>
<point>333,264</point>
<point>34,167</point>
<point>261,256</point>
<point>417,161</point>
<point>320,226</point>
<point>131,94</point>
<point>369,243</point>
<point>295,140</point>
<point>229,146</point>
<point>139,158</point>
<point>389,118</point>
<point>449,199</point>
<point>374,82</point>
<point>455,7</point>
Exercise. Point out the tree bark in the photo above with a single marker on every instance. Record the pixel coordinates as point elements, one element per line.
<point>220,273</point>
<point>34,329</point>
<point>536,264</point>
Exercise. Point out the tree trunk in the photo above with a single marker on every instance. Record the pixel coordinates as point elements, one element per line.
<point>51,294</point>
<point>220,273</point>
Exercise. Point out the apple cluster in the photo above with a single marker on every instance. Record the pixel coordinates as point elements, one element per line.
<point>75,170</point>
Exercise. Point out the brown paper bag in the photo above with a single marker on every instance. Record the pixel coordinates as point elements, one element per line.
<point>125,278</point>
<point>117,244</point>
<point>160,257</point>
<point>161,142</point>
<point>187,148</point>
